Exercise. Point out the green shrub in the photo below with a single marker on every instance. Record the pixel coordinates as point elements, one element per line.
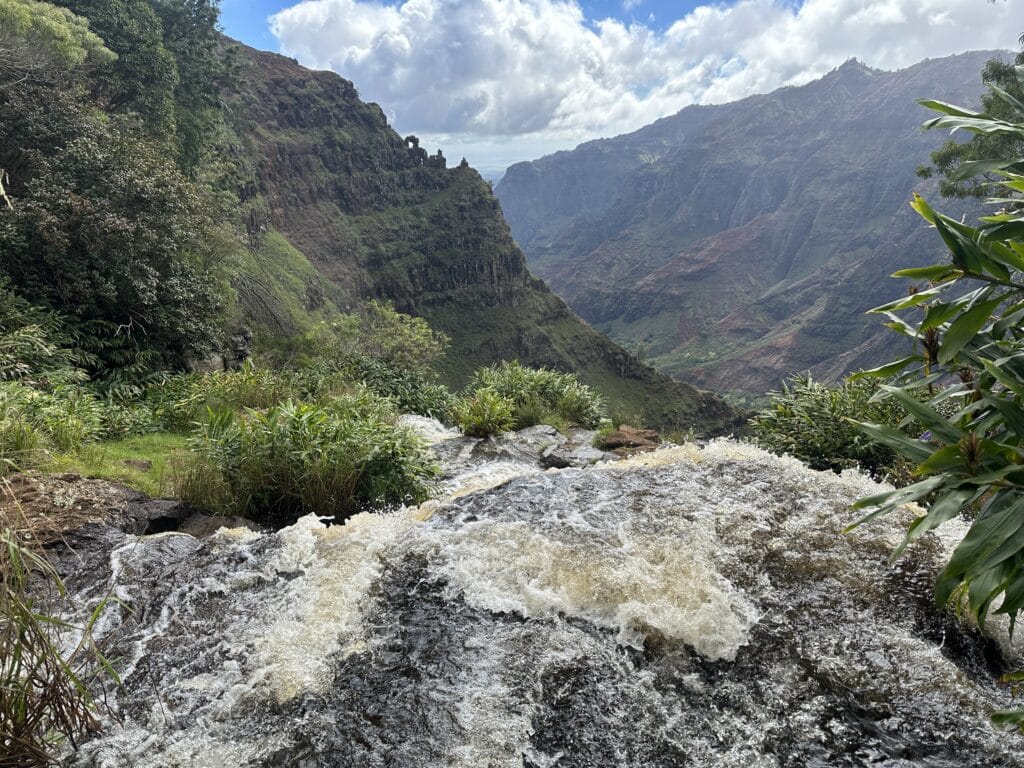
<point>181,400</point>
<point>122,420</point>
<point>411,391</point>
<point>331,458</point>
<point>21,445</point>
<point>34,421</point>
<point>484,412</point>
<point>967,324</point>
<point>540,395</point>
<point>812,422</point>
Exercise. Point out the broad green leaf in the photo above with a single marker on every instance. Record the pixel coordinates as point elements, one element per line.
<point>928,418</point>
<point>914,450</point>
<point>985,537</point>
<point>971,168</point>
<point>948,109</point>
<point>974,125</point>
<point>1012,413</point>
<point>900,496</point>
<point>911,300</point>
<point>1006,231</point>
<point>920,205</point>
<point>943,509</point>
<point>1011,316</point>
<point>1013,101</point>
<point>962,330</point>
<point>1008,717</point>
<point>1012,383</point>
<point>946,458</point>
<point>889,369</point>
<point>934,272</point>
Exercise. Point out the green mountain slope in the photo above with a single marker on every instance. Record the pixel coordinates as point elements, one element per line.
<point>359,213</point>
<point>742,242</point>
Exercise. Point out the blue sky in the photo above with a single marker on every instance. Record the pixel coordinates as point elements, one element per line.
<point>505,80</point>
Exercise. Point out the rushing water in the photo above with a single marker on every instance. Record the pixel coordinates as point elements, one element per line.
<point>692,607</point>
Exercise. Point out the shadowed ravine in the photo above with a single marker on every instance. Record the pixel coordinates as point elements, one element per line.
<point>693,607</point>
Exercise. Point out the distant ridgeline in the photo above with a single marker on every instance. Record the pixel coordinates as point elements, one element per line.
<point>296,198</point>
<point>735,244</point>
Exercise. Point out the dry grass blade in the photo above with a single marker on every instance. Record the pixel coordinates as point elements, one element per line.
<point>43,694</point>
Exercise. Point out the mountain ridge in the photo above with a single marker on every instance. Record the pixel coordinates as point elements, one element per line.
<point>378,218</point>
<point>714,238</point>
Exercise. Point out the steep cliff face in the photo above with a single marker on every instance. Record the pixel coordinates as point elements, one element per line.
<point>742,242</point>
<point>377,217</point>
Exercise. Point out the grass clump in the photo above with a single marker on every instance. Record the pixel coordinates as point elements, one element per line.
<point>44,695</point>
<point>533,396</point>
<point>331,458</point>
<point>814,422</point>
<point>150,463</point>
<point>484,412</point>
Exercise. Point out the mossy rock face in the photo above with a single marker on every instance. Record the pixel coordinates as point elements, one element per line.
<point>355,212</point>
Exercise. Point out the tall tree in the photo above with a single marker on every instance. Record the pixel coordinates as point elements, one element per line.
<point>958,161</point>
<point>144,76</point>
<point>40,43</point>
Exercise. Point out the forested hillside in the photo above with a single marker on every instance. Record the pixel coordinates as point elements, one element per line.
<point>171,194</point>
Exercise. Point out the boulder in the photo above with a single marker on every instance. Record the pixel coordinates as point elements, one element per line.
<point>627,440</point>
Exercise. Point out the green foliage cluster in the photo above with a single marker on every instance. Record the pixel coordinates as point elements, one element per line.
<point>332,458</point>
<point>528,396</point>
<point>44,687</point>
<point>33,341</point>
<point>390,353</point>
<point>411,391</point>
<point>484,412</point>
<point>62,418</point>
<point>102,218</point>
<point>814,422</point>
<point>965,165</point>
<point>109,233</point>
<point>376,332</point>
<point>968,326</point>
<point>39,42</point>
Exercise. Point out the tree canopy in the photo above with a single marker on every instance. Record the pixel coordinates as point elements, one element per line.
<point>956,160</point>
<point>39,42</point>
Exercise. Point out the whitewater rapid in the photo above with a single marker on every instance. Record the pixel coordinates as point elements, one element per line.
<point>697,606</point>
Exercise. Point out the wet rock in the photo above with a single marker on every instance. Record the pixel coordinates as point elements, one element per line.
<point>572,455</point>
<point>150,516</point>
<point>627,440</point>
<point>201,525</point>
<point>47,507</point>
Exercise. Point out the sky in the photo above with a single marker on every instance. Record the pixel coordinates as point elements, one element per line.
<point>500,81</point>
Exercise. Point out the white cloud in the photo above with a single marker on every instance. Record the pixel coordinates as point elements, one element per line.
<point>493,72</point>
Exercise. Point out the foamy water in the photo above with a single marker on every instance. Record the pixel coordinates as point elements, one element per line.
<point>687,607</point>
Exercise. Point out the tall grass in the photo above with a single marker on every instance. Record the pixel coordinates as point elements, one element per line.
<point>331,458</point>
<point>533,396</point>
<point>44,694</point>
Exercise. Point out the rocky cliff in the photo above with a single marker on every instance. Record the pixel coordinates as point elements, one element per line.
<point>742,242</point>
<point>376,216</point>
